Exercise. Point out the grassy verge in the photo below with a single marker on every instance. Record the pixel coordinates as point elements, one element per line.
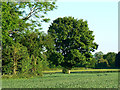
<point>85,70</point>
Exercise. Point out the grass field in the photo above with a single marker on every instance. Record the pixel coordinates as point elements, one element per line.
<point>59,80</point>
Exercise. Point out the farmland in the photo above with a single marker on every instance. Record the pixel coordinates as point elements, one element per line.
<point>60,80</point>
<point>39,55</point>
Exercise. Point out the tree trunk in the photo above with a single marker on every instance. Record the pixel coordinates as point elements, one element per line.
<point>35,64</point>
<point>15,68</point>
<point>66,71</point>
<point>15,62</point>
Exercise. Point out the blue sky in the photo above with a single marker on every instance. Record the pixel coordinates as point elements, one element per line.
<point>102,18</point>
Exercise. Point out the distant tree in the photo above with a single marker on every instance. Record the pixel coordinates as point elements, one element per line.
<point>73,41</point>
<point>117,60</point>
<point>92,63</point>
<point>100,61</point>
<point>110,57</point>
<point>98,55</point>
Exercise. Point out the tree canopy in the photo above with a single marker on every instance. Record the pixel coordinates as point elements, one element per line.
<point>100,61</point>
<point>110,56</point>
<point>73,40</point>
<point>22,43</point>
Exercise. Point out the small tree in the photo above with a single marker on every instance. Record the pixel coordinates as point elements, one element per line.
<point>73,41</point>
<point>110,57</point>
<point>98,55</point>
<point>35,46</point>
<point>102,63</point>
<point>16,59</point>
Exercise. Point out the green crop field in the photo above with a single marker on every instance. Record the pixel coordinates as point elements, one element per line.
<point>59,80</point>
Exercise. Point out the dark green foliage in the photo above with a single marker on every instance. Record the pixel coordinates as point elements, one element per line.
<point>91,63</point>
<point>33,42</point>
<point>98,55</point>
<point>73,40</point>
<point>105,60</point>
<point>110,57</point>
<point>73,57</point>
<point>10,24</point>
<point>117,60</point>
<point>15,59</point>
<point>56,58</point>
<point>100,61</point>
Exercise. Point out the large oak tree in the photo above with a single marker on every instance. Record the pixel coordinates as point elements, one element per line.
<point>73,40</point>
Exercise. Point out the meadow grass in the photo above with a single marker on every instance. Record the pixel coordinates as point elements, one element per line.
<point>60,80</point>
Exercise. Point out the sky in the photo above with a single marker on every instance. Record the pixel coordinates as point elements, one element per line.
<point>102,17</point>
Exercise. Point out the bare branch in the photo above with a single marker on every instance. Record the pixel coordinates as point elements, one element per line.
<point>29,15</point>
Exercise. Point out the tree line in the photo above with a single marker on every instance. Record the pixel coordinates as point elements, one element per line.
<point>109,60</point>
<point>69,42</point>
<point>23,43</point>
